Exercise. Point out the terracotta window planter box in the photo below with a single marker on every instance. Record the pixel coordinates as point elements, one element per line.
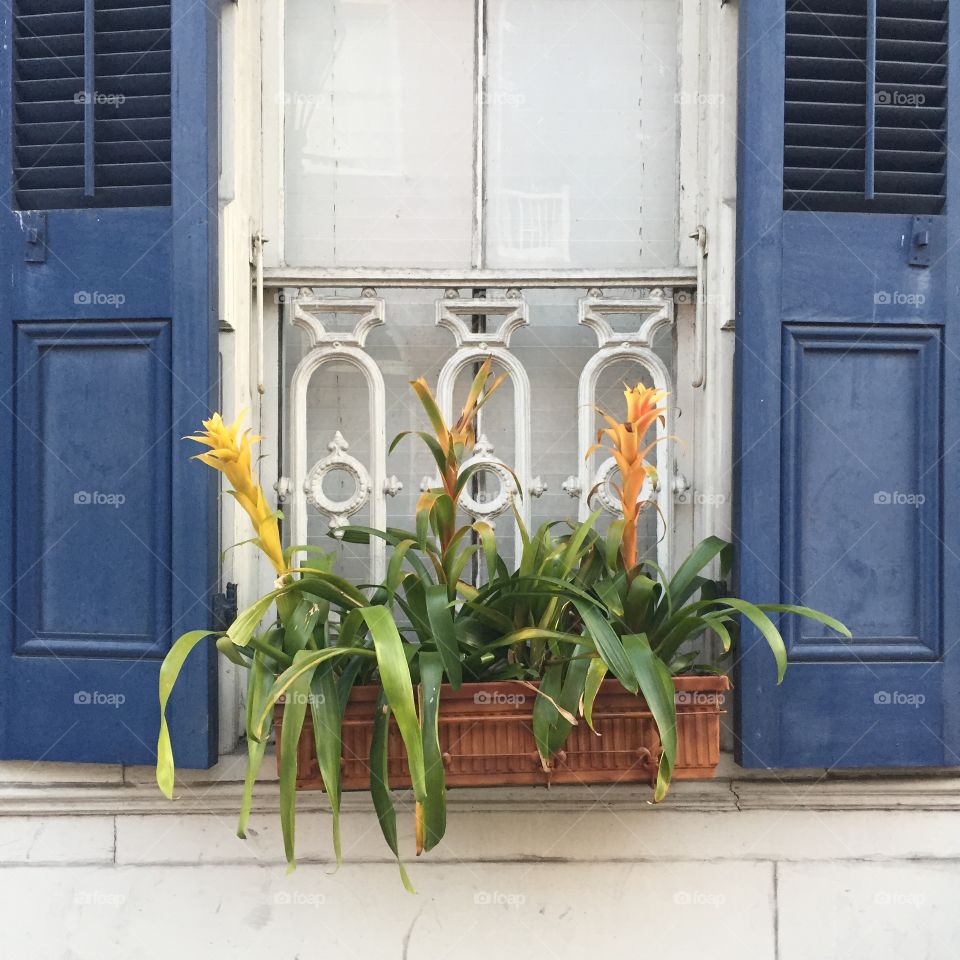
<point>486,737</point>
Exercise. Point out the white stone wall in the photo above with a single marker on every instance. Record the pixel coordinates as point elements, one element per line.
<point>812,867</point>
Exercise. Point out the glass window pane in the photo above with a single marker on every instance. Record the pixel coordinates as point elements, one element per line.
<point>582,133</point>
<point>378,132</point>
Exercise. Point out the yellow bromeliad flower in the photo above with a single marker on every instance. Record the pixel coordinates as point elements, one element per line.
<point>630,452</point>
<point>230,453</point>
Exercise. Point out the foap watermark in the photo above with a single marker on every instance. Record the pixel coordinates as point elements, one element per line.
<point>686,98</point>
<point>698,698</point>
<point>698,898</point>
<point>886,498</point>
<point>100,99</point>
<point>96,298</point>
<point>899,98</point>
<point>492,698</point>
<point>84,498</point>
<point>95,698</point>
<point>897,698</point>
<point>498,898</point>
<point>297,898</point>
<point>308,699</point>
<point>898,298</point>
<point>704,499</point>
<point>898,898</point>
<point>99,898</point>
<point>503,98</point>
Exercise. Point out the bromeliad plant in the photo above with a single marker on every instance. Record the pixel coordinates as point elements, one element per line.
<point>577,607</point>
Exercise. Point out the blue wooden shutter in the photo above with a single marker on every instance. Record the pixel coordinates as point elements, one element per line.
<point>848,381</point>
<point>107,358</point>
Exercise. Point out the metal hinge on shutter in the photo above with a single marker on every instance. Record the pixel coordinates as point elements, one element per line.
<point>865,105</point>
<point>92,103</point>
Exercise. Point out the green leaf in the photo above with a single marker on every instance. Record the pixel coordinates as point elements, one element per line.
<point>444,635</point>
<point>434,810</point>
<point>258,684</point>
<point>303,662</point>
<point>380,784</point>
<point>591,687</point>
<point>766,627</point>
<point>657,688</point>
<point>395,677</point>
<point>571,692</point>
<point>242,629</point>
<point>232,652</point>
<point>488,539</point>
<point>545,713</point>
<point>298,627</point>
<point>807,612</point>
<point>326,557</point>
<point>432,410</point>
<point>684,582</point>
<point>575,542</point>
<point>328,738</point>
<point>294,712</point>
<point>640,602</point>
<point>608,644</point>
<point>436,451</point>
<point>611,544</point>
<point>169,671</point>
<point>333,588</point>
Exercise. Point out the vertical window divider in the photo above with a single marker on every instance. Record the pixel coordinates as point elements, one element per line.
<point>869,147</point>
<point>89,98</point>
<point>478,244</point>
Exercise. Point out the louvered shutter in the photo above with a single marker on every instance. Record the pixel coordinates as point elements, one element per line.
<point>92,103</point>
<point>865,105</point>
<point>107,357</point>
<point>848,379</point>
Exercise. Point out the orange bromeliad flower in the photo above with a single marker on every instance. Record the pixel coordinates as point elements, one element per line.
<point>230,453</point>
<point>454,444</point>
<point>630,452</point>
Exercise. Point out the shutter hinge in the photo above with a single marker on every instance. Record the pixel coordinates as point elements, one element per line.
<point>225,608</point>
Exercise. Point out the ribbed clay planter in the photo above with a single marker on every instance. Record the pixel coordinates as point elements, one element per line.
<point>486,738</point>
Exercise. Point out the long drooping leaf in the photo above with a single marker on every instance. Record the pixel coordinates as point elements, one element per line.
<point>766,627</point>
<point>395,678</point>
<point>444,635</point>
<point>169,671</point>
<point>380,784</point>
<point>807,612</point>
<point>591,687</point>
<point>294,712</point>
<point>328,739</point>
<point>571,693</point>
<point>545,713</point>
<point>258,684</point>
<point>608,644</point>
<point>656,685</point>
<point>432,813</point>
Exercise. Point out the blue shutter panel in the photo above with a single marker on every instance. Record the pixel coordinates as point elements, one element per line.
<point>848,380</point>
<point>107,358</point>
